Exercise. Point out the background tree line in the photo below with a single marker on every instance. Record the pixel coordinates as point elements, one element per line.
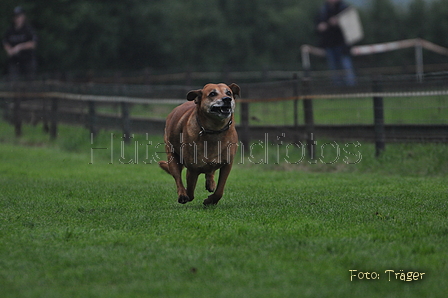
<point>212,35</point>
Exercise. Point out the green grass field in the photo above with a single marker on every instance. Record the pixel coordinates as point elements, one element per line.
<point>72,228</point>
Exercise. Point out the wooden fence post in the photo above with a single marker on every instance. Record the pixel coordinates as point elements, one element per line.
<point>309,117</point>
<point>188,78</point>
<point>5,109</point>
<point>296,107</point>
<point>54,119</point>
<point>378,116</point>
<point>125,122</point>
<point>45,116</point>
<point>17,116</point>
<point>245,138</point>
<point>92,118</point>
<point>226,75</point>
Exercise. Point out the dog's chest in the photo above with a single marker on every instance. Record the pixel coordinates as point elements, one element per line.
<point>208,154</point>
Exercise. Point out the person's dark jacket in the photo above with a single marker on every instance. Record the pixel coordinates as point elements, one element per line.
<point>15,36</point>
<point>332,37</point>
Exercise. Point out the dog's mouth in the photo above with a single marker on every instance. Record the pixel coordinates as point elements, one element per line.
<point>225,110</point>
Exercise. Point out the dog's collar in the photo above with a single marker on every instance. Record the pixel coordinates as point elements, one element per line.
<point>209,131</point>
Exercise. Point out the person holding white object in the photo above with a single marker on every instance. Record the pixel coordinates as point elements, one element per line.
<point>332,40</point>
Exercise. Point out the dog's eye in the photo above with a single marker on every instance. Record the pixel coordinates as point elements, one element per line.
<point>213,94</point>
<point>228,93</point>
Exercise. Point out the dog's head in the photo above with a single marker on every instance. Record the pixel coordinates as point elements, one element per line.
<point>216,100</point>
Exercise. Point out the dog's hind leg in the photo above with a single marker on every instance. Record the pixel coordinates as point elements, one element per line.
<point>210,184</point>
<point>164,165</point>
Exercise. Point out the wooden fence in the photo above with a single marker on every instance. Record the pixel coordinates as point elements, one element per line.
<point>43,103</point>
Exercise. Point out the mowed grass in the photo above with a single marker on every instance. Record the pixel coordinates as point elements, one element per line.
<point>69,228</point>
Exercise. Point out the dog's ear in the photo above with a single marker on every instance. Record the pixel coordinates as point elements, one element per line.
<point>235,89</point>
<point>194,95</point>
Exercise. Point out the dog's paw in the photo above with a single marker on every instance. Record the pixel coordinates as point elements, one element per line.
<point>210,185</point>
<point>210,201</point>
<point>184,199</point>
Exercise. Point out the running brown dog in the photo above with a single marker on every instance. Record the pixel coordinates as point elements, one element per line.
<point>200,135</point>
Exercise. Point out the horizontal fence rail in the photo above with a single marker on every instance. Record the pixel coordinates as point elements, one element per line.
<point>95,98</point>
<point>133,100</point>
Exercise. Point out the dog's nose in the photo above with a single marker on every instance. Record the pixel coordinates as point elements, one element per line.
<point>227,99</point>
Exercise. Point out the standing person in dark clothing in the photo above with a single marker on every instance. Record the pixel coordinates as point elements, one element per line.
<point>20,42</point>
<point>332,40</point>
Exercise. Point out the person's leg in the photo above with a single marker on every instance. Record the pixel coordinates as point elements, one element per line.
<point>331,58</point>
<point>349,75</point>
<point>29,69</point>
<point>332,62</point>
<point>13,70</point>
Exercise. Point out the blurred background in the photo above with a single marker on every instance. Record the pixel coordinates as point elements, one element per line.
<point>164,36</point>
<point>124,65</point>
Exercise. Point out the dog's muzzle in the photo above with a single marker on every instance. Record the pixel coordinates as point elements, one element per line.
<point>223,108</point>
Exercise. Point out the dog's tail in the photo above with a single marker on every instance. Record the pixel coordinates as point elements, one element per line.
<point>164,166</point>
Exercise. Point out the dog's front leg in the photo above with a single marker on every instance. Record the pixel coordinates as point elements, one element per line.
<point>192,179</point>
<point>214,198</point>
<point>175,169</point>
